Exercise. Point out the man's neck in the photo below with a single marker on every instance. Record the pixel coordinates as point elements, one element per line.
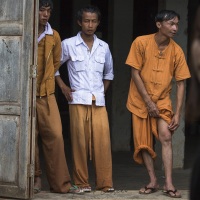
<point>88,39</point>
<point>41,29</point>
<point>161,41</point>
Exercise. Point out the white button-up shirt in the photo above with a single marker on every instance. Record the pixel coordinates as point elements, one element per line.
<point>87,69</point>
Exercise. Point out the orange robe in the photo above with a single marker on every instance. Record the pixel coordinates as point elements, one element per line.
<point>156,70</point>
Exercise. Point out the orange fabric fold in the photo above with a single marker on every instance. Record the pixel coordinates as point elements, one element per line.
<point>144,129</point>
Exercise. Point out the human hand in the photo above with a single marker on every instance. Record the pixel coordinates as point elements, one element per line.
<point>67,91</point>
<point>174,123</point>
<point>152,109</point>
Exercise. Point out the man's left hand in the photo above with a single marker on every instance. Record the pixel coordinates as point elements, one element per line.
<point>174,123</point>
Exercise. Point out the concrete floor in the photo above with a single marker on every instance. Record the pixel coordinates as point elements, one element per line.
<point>122,194</point>
<point>128,178</point>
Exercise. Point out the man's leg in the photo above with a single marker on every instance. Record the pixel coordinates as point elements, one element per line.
<point>50,130</point>
<point>144,153</point>
<point>143,138</point>
<point>80,137</point>
<point>165,137</point>
<point>38,172</point>
<point>101,153</point>
<point>149,164</point>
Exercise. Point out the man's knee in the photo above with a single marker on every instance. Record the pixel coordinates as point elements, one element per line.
<point>166,137</point>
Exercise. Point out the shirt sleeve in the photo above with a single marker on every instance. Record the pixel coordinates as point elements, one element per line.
<point>57,73</point>
<point>108,65</point>
<point>181,68</point>
<point>65,52</point>
<point>64,55</point>
<point>135,56</point>
<point>56,51</point>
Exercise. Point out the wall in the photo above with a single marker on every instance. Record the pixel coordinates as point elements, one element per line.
<point>77,4</point>
<point>122,27</point>
<point>179,6</point>
<point>55,16</point>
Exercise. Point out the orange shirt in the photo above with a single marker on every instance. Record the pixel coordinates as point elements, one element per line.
<point>41,68</point>
<point>156,70</point>
<point>49,54</point>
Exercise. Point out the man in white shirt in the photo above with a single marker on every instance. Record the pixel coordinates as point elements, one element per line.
<point>90,70</point>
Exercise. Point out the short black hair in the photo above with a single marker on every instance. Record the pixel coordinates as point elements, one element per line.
<point>88,8</point>
<point>165,15</point>
<point>46,3</point>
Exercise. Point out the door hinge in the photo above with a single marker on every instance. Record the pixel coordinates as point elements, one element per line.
<point>30,170</point>
<point>33,71</point>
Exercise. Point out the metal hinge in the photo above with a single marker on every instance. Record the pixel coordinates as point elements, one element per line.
<point>33,71</point>
<point>30,170</point>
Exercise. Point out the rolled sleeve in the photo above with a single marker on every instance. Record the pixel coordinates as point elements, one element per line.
<point>136,54</point>
<point>65,52</point>
<point>181,68</point>
<point>108,67</point>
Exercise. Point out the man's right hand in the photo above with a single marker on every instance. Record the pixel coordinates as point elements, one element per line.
<point>67,91</point>
<point>152,109</point>
<point>151,106</point>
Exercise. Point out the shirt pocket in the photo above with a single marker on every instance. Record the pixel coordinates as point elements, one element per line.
<point>99,63</point>
<point>78,62</point>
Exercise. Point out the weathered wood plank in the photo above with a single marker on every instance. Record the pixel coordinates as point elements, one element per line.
<point>17,43</point>
<point>9,140</point>
<point>11,10</point>
<point>10,68</point>
<point>11,28</point>
<point>10,109</point>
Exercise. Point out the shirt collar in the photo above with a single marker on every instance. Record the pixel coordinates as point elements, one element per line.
<point>79,40</point>
<point>48,31</point>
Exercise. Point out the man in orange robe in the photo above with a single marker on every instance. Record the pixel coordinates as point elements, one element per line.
<point>155,59</point>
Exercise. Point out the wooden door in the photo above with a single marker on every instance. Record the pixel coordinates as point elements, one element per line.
<point>18,24</point>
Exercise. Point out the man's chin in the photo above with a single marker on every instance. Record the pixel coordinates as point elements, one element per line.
<point>90,32</point>
<point>173,34</point>
<point>43,23</point>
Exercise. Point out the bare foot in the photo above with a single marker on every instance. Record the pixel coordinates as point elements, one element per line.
<point>150,188</point>
<point>37,184</point>
<point>171,191</point>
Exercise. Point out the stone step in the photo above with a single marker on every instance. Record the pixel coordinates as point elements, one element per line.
<point>118,194</point>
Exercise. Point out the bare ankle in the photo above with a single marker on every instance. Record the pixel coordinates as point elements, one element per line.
<point>37,181</point>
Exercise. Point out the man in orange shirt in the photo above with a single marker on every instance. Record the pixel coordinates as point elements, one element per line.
<point>155,59</point>
<point>48,122</point>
